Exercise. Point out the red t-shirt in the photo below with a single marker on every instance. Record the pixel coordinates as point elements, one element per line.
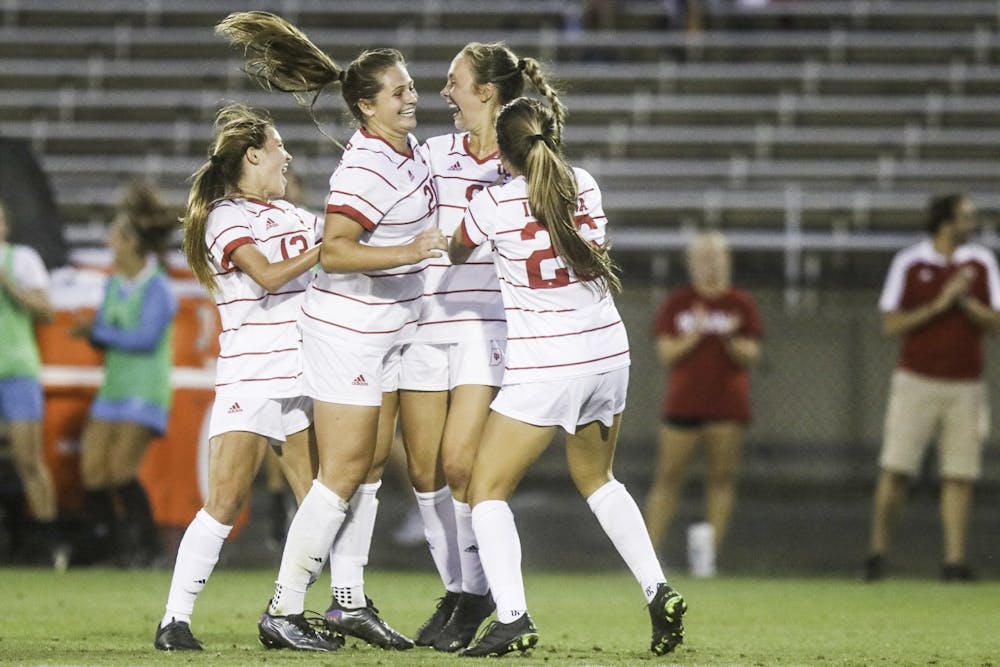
<point>706,383</point>
<point>949,346</point>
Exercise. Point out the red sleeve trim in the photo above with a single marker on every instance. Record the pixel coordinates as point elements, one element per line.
<point>227,252</point>
<point>352,213</point>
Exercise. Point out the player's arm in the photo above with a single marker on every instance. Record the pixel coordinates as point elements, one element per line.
<point>459,249</point>
<point>898,322</point>
<point>35,301</point>
<point>272,275</point>
<point>742,349</point>
<point>342,251</point>
<point>671,349</point>
<point>982,315</point>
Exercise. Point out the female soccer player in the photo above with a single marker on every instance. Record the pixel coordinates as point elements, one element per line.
<point>254,252</point>
<point>567,366</point>
<point>452,370</point>
<point>360,311</point>
<point>134,328</point>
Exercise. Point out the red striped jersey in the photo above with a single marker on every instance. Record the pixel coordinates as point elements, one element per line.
<point>259,347</point>
<point>391,196</point>
<point>557,326</point>
<point>461,302</point>
<point>950,346</point>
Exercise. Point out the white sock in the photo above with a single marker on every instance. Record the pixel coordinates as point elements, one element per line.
<point>473,577</point>
<point>196,558</point>
<point>439,528</point>
<point>350,551</point>
<point>622,521</point>
<point>500,552</point>
<point>310,536</point>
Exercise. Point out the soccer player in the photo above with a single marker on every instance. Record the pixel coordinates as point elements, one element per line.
<point>24,298</point>
<point>360,311</point>
<point>451,371</point>
<point>134,328</point>
<point>567,367</point>
<point>254,252</point>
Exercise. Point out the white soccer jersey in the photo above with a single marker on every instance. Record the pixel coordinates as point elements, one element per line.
<point>461,302</point>
<point>557,326</point>
<point>390,195</point>
<point>259,347</point>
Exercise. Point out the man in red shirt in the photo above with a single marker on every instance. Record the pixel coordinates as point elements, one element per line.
<point>940,296</point>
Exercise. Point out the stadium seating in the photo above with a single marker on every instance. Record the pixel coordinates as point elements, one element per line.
<point>790,110</point>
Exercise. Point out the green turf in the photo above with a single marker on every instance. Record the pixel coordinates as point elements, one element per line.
<point>107,617</point>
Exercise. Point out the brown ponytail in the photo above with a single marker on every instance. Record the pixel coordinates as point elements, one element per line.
<point>528,134</point>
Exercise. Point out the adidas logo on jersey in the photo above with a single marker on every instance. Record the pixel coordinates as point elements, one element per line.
<point>360,381</point>
<point>271,224</point>
<point>455,167</point>
<point>234,409</point>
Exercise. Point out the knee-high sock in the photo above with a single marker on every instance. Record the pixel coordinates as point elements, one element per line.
<point>622,521</point>
<point>196,558</point>
<point>138,514</point>
<point>500,552</point>
<point>438,514</point>
<point>310,537</point>
<point>350,550</point>
<point>473,577</point>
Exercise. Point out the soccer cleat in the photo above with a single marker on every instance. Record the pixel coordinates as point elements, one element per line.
<point>432,627</point>
<point>296,631</point>
<point>176,636</point>
<point>365,623</point>
<point>503,638</point>
<point>873,569</point>
<point>960,572</point>
<point>469,614</point>
<point>666,610</point>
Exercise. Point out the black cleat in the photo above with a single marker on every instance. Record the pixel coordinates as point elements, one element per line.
<point>365,623</point>
<point>873,569</point>
<point>957,572</point>
<point>666,611</point>
<point>469,614</point>
<point>296,631</point>
<point>503,638</point>
<point>176,636</point>
<point>432,627</point>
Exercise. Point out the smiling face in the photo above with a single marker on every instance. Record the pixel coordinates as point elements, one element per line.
<point>392,114</point>
<point>265,167</point>
<point>469,102</point>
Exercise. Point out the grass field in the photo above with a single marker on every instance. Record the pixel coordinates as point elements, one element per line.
<point>103,617</point>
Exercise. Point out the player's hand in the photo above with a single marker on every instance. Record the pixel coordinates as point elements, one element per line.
<point>430,243</point>
<point>957,286</point>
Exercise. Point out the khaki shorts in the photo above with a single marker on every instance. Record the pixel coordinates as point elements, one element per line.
<point>442,367</point>
<point>566,403</point>
<point>921,408</point>
<point>274,418</point>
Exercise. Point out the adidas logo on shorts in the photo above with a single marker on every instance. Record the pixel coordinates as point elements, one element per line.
<point>360,381</point>
<point>234,408</point>
<point>455,167</point>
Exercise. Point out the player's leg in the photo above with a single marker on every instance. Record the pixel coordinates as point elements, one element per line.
<point>234,459</point>
<point>96,452</point>
<point>677,447</point>
<point>351,611</point>
<point>141,539</point>
<point>508,448</point>
<point>468,411</point>
<point>723,449</point>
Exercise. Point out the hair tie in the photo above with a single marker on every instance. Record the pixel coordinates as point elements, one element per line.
<point>521,64</point>
<point>216,160</point>
<point>536,137</point>
<point>342,75</point>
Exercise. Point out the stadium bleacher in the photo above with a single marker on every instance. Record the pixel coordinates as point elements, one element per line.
<point>865,105</point>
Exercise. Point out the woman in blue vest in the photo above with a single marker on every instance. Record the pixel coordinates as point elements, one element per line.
<point>134,328</point>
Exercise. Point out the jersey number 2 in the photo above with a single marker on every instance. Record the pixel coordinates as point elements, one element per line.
<point>534,262</point>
